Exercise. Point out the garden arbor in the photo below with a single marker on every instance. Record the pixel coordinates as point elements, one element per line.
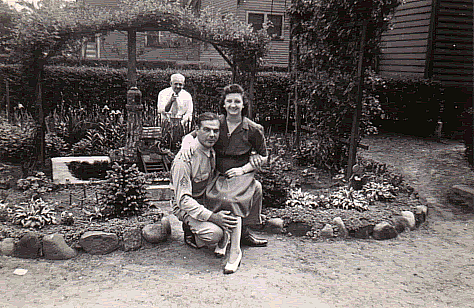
<point>56,27</point>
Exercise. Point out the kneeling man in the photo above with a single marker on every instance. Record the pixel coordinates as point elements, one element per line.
<point>189,179</point>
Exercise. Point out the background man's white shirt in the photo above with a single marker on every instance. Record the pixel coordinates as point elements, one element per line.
<point>184,106</point>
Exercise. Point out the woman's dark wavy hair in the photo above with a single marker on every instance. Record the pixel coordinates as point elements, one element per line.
<point>231,89</point>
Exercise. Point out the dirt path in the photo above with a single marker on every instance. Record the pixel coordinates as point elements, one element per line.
<point>430,267</point>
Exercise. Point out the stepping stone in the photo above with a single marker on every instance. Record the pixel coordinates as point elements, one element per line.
<point>99,242</point>
<point>28,247</point>
<point>55,248</point>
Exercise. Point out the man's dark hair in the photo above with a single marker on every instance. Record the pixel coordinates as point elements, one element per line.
<point>206,116</point>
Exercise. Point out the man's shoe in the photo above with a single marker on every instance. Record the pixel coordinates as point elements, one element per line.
<point>189,238</point>
<point>249,239</point>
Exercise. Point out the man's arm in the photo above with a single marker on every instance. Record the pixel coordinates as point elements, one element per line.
<point>188,116</point>
<point>164,104</point>
<point>182,185</point>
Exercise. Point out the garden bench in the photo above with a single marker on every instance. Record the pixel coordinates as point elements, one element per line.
<point>150,155</point>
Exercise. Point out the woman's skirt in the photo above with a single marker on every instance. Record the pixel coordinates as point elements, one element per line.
<point>242,195</point>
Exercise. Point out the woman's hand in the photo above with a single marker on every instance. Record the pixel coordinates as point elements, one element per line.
<point>234,172</point>
<point>188,147</point>
<point>257,161</point>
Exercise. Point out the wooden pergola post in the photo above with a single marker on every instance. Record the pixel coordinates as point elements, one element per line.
<point>134,102</point>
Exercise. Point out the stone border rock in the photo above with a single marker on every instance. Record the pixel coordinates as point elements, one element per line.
<point>383,230</point>
<point>54,247</point>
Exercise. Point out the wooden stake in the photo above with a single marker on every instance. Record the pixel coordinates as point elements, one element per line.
<point>354,139</point>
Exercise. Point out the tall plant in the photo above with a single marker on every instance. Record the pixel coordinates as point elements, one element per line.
<point>326,37</point>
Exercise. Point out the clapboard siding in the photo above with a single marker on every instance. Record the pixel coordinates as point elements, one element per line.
<point>278,49</point>
<point>405,44</point>
<point>453,45</point>
<point>225,6</point>
<point>407,31</point>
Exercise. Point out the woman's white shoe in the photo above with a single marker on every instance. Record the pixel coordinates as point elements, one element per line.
<point>220,252</point>
<point>231,268</point>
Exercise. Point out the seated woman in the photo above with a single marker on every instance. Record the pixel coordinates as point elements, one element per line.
<point>235,187</point>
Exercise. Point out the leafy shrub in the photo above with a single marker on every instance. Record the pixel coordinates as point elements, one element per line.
<point>86,170</point>
<point>124,192</point>
<point>38,183</point>
<point>409,102</point>
<point>275,184</point>
<point>5,211</point>
<point>34,214</point>
<point>16,140</point>
<point>95,212</point>
<point>93,131</point>
<point>322,151</point>
<point>56,145</point>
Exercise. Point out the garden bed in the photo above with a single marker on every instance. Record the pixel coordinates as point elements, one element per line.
<point>286,185</point>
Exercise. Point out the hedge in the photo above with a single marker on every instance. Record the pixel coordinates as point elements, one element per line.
<point>86,86</point>
<point>406,102</point>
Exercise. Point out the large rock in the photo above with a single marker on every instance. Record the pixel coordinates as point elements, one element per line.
<point>55,248</point>
<point>363,231</point>
<point>7,246</point>
<point>421,214</point>
<point>99,242</point>
<point>327,231</point>
<point>158,232</point>
<point>274,225</point>
<point>400,223</point>
<point>132,239</point>
<point>410,218</point>
<point>384,231</point>
<point>28,247</point>
<point>342,230</point>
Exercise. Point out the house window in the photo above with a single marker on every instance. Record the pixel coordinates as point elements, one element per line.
<point>258,19</point>
<point>154,39</point>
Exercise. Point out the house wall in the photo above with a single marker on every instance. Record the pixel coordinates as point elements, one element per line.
<point>278,49</point>
<point>208,54</point>
<point>453,46</point>
<point>404,46</point>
